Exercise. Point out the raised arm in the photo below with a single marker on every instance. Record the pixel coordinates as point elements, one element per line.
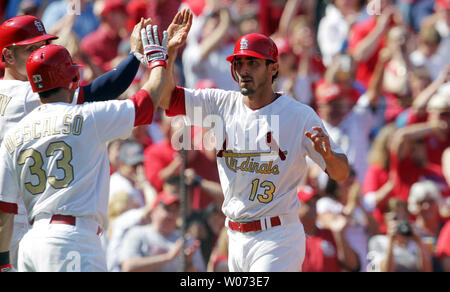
<point>112,84</point>
<point>178,32</point>
<point>155,56</point>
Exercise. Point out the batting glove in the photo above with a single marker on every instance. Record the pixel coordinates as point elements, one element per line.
<point>155,53</point>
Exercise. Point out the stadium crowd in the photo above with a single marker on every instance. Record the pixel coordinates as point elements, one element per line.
<point>377,72</point>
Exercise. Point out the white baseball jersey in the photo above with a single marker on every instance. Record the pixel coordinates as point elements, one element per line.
<point>17,99</point>
<point>56,158</point>
<point>259,176</point>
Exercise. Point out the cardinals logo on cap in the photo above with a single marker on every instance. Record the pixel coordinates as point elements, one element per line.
<point>39,26</point>
<point>244,44</point>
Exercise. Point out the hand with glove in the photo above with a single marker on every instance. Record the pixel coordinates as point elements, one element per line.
<point>155,52</point>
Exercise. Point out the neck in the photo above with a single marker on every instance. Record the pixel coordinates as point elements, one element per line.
<point>62,95</point>
<point>11,74</point>
<point>260,100</point>
<point>431,227</point>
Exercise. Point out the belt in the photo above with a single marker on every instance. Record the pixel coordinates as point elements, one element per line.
<point>253,225</point>
<point>68,220</point>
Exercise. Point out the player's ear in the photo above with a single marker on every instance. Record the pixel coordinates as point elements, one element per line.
<point>8,56</point>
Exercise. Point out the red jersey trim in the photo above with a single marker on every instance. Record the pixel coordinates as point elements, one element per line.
<point>9,208</point>
<point>80,99</point>
<point>144,108</point>
<point>177,103</point>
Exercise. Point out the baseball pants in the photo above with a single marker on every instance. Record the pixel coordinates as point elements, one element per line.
<point>277,249</point>
<point>62,248</point>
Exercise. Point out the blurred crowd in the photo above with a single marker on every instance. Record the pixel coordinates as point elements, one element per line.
<point>377,72</point>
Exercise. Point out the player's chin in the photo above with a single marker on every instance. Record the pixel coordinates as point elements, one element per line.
<point>247,91</point>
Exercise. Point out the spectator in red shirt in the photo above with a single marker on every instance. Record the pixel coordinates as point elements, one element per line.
<point>378,183</point>
<point>443,247</point>
<point>136,10</point>
<point>327,250</point>
<point>367,38</point>
<point>409,159</point>
<point>162,11</point>
<point>102,45</point>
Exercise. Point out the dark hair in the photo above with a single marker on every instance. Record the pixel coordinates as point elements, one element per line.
<point>274,77</point>
<point>49,93</point>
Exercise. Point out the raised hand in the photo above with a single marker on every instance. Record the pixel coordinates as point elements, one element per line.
<point>155,53</point>
<point>179,29</point>
<point>320,141</point>
<point>135,38</point>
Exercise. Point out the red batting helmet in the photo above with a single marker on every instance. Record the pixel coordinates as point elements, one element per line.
<point>22,30</point>
<point>254,45</point>
<point>52,67</point>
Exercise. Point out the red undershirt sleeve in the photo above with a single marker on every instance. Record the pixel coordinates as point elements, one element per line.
<point>80,99</point>
<point>177,103</point>
<point>144,108</point>
<point>9,208</point>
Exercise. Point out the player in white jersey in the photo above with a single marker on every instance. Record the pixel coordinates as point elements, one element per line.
<point>19,37</point>
<point>266,138</point>
<point>56,160</point>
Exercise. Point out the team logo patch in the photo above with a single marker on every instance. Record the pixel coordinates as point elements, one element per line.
<point>244,44</point>
<point>37,78</point>
<point>39,26</point>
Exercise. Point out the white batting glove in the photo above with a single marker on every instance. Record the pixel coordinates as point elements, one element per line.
<point>155,54</point>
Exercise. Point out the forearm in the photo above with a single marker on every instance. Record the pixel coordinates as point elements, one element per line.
<point>6,231</point>
<point>388,265</point>
<point>214,39</point>
<point>367,47</point>
<point>446,165</point>
<point>155,84</point>
<point>145,264</point>
<point>113,83</point>
<point>170,83</point>
<point>347,257</point>
<point>213,189</point>
<point>337,166</point>
<point>424,264</point>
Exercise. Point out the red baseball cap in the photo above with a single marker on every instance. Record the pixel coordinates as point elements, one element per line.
<point>442,4</point>
<point>113,5</point>
<point>283,45</point>
<point>327,92</point>
<point>166,199</point>
<point>22,30</point>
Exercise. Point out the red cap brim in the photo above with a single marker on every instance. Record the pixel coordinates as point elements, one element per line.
<point>247,54</point>
<point>47,37</point>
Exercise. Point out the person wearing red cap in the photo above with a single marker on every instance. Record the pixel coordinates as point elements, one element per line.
<point>22,35</point>
<point>102,44</point>
<point>262,156</point>
<point>57,162</point>
<point>327,250</point>
<point>349,126</point>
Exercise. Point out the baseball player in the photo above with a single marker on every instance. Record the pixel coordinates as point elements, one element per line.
<point>56,160</point>
<point>19,37</point>
<point>265,140</point>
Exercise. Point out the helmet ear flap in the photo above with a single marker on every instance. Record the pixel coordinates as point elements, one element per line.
<point>233,72</point>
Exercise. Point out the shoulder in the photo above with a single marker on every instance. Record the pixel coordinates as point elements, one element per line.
<point>138,233</point>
